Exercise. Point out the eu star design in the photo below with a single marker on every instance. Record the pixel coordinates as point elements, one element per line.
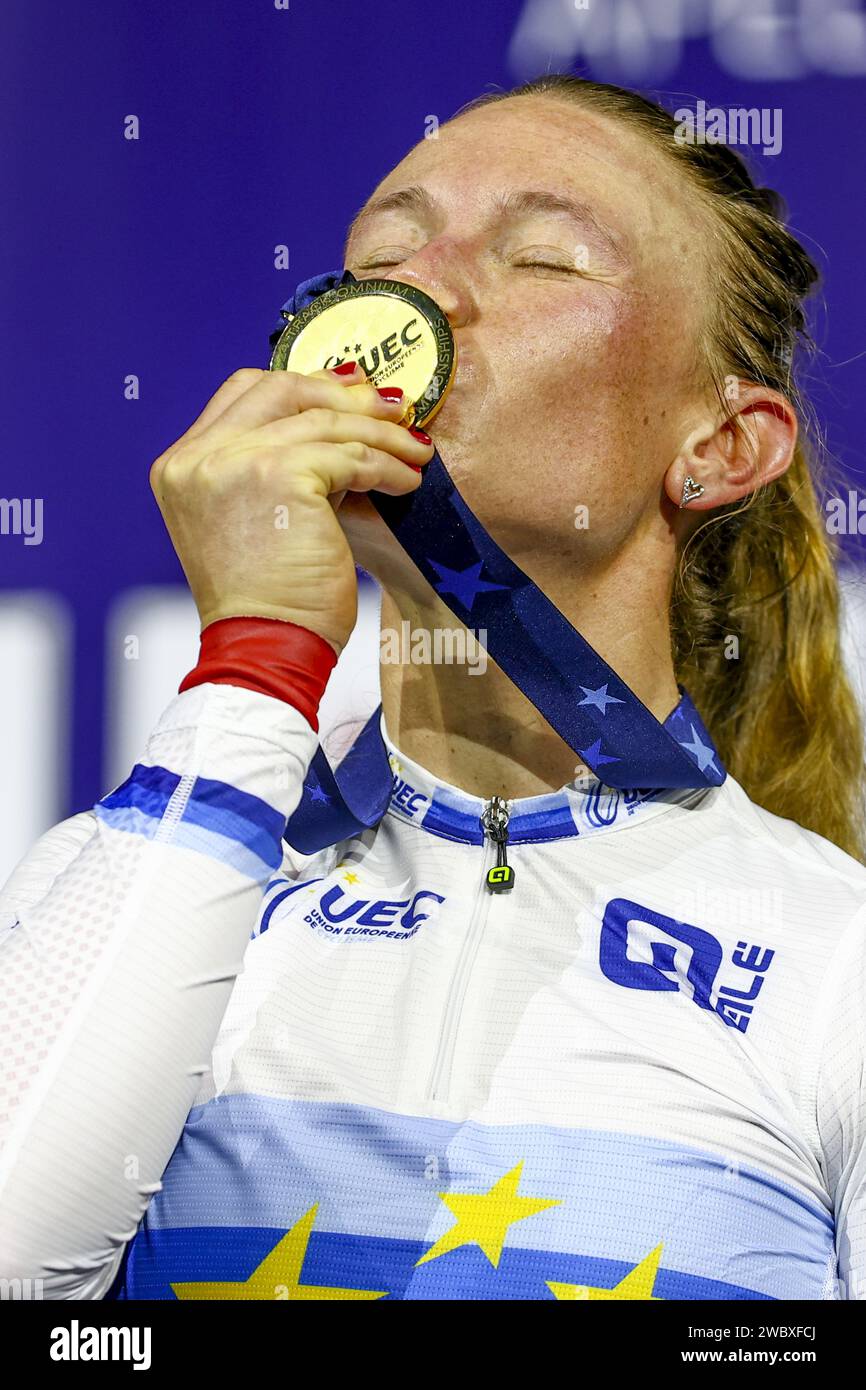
<point>278,1276</point>
<point>484,1218</point>
<point>636,1287</point>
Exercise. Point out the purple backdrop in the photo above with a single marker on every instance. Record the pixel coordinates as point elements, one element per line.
<point>262,125</point>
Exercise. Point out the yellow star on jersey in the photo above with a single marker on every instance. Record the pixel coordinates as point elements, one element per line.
<point>483,1218</point>
<point>350,878</point>
<point>636,1287</point>
<point>278,1275</point>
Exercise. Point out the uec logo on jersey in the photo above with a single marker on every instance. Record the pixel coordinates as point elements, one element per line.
<point>643,949</point>
<point>397,918</point>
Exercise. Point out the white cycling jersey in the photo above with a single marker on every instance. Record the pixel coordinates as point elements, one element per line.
<point>235,1072</point>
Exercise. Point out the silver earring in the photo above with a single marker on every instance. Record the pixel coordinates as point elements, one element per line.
<point>691,490</point>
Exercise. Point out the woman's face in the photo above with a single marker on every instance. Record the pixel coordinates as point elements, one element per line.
<point>568,256</point>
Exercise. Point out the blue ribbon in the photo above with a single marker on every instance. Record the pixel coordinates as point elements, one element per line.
<point>575,690</point>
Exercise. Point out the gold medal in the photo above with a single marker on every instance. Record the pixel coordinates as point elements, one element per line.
<point>397,333</point>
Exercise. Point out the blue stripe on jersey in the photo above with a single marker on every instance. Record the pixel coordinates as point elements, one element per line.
<point>148,789</point>
<point>250,1164</point>
<point>450,821</point>
<point>207,792</point>
<point>218,820</point>
<point>553,822</point>
<point>227,1256</point>
<point>552,818</point>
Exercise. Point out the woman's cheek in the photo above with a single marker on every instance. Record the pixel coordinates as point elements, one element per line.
<point>555,362</point>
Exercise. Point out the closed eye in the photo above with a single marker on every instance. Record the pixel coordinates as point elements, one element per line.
<point>547,265</point>
<point>564,266</point>
<point>379,265</point>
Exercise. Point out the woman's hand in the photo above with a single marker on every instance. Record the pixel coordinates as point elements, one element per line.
<point>250,492</point>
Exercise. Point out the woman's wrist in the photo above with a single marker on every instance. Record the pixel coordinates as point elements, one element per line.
<point>273,657</point>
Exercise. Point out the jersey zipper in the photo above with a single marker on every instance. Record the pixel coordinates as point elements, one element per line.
<point>494,822</point>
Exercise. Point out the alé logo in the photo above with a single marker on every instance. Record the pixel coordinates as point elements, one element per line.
<point>342,914</point>
<point>642,949</point>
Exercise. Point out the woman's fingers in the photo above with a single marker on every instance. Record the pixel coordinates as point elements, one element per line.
<point>333,426</point>
<point>251,398</point>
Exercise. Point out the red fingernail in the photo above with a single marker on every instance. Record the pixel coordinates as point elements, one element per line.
<point>419,434</point>
<point>390,393</point>
<point>344,369</point>
<point>419,467</point>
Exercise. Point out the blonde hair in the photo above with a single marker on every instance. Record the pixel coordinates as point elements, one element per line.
<point>783,715</point>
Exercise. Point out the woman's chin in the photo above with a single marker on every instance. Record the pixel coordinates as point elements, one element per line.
<point>357,511</point>
<point>362,524</point>
<point>375,548</point>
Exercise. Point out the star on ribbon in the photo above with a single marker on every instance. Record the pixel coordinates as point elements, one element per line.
<point>465,585</point>
<point>318,793</point>
<point>702,755</point>
<point>594,756</point>
<point>600,698</point>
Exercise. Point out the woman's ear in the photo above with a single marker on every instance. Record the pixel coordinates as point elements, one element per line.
<point>728,459</point>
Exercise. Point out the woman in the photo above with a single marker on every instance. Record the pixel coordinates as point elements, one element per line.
<point>636,1075</point>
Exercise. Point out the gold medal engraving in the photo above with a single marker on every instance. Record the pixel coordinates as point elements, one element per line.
<point>398,334</point>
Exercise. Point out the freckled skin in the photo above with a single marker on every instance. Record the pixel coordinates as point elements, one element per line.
<point>577,390</point>
<point>564,369</point>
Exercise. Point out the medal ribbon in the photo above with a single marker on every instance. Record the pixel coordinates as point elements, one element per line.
<point>575,690</point>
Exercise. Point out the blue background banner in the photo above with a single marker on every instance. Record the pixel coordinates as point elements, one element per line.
<point>265,125</point>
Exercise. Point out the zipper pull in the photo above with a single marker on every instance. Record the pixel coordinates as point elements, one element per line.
<point>494,822</point>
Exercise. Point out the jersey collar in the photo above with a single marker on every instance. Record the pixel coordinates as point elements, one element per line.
<point>583,807</point>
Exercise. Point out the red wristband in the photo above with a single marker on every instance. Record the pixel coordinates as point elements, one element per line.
<point>268,655</point>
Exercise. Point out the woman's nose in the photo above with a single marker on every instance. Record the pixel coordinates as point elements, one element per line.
<point>447,286</point>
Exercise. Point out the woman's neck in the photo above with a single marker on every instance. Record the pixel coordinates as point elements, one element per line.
<point>469,725</point>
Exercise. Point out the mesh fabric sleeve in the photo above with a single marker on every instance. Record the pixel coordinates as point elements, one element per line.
<point>841,1104</point>
<point>121,935</point>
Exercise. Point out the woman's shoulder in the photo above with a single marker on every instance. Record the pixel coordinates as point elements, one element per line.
<point>796,850</point>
